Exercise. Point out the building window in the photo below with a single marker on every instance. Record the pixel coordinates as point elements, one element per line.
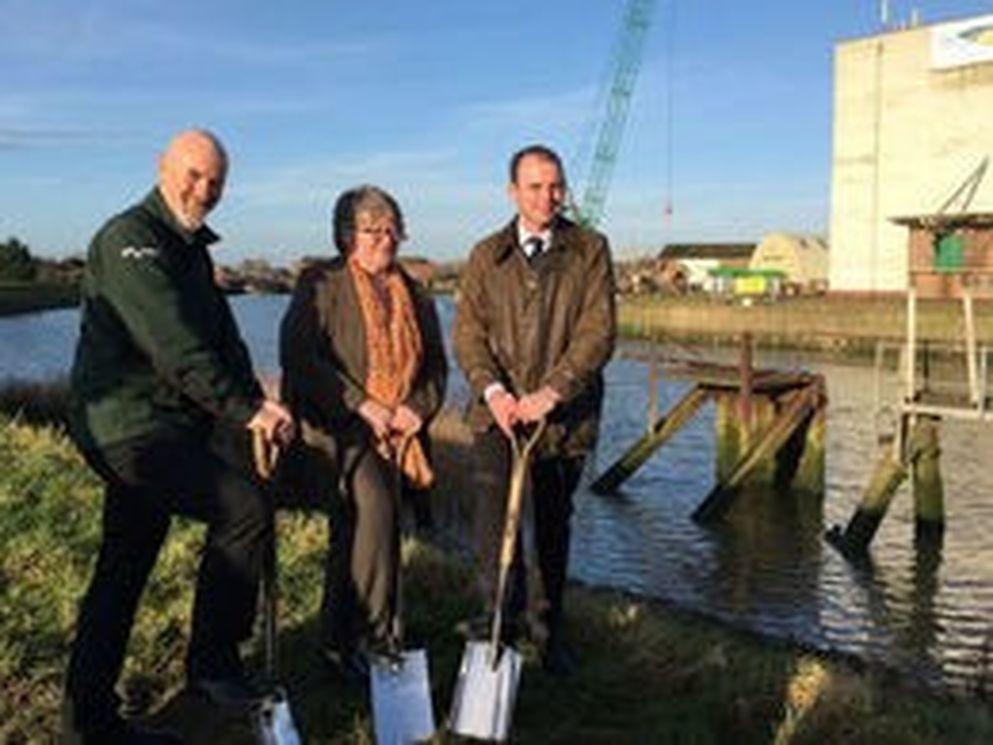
<point>948,252</point>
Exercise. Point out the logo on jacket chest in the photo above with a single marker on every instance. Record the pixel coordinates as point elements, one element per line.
<point>139,252</point>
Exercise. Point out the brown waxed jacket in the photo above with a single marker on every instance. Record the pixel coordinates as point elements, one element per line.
<point>324,360</point>
<point>527,325</point>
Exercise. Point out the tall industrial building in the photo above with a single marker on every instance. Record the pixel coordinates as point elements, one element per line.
<point>913,119</point>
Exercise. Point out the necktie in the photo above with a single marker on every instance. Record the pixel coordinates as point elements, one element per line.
<point>533,247</point>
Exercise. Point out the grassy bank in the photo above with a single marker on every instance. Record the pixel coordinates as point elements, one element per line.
<point>649,674</point>
<point>25,297</point>
<point>832,323</point>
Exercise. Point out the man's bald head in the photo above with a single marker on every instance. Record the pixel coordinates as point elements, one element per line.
<point>191,175</point>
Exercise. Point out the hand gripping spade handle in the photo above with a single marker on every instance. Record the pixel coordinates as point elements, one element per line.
<point>272,717</point>
<point>399,679</point>
<point>521,447</point>
<point>488,677</point>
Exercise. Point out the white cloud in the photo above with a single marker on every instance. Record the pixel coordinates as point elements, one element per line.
<point>56,33</point>
<point>32,135</point>
<point>300,182</point>
<point>566,110</point>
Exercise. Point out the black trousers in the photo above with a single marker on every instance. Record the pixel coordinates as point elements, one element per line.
<point>361,593</point>
<point>553,481</point>
<point>147,481</point>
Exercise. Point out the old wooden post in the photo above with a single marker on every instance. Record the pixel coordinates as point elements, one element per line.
<point>746,378</point>
<point>858,534</point>
<point>929,493</point>
<point>767,443</point>
<point>918,455</point>
<point>664,428</point>
<point>728,437</point>
<point>653,389</point>
<point>802,458</point>
<point>734,437</point>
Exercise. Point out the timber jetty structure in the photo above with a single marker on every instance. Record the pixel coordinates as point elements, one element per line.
<point>950,256</point>
<point>769,429</point>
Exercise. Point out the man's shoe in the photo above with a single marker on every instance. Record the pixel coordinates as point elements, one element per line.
<point>109,728</point>
<point>559,659</point>
<point>135,734</point>
<point>238,692</point>
<point>122,732</point>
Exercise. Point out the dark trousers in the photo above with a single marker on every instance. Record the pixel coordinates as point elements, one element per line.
<point>147,481</point>
<point>361,598</point>
<point>553,481</point>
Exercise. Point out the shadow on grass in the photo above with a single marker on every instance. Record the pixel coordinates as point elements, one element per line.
<point>648,673</point>
<point>33,403</point>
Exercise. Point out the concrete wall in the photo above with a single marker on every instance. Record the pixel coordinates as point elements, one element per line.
<point>905,137</point>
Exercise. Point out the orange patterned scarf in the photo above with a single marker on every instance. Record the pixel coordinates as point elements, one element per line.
<point>395,352</point>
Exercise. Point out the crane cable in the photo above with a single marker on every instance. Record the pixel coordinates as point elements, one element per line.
<point>669,119</point>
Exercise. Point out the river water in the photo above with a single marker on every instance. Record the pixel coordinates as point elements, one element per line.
<point>928,614</point>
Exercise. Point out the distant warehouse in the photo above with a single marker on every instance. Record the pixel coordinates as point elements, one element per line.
<point>802,260</point>
<point>782,263</point>
<point>913,135</point>
<point>693,263</point>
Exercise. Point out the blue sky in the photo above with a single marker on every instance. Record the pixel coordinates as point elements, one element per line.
<point>426,98</point>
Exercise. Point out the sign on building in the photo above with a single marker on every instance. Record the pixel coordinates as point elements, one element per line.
<point>968,42</point>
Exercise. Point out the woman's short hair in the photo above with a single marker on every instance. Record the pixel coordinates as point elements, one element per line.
<point>366,198</point>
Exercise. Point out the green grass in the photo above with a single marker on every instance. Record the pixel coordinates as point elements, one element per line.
<point>25,297</point>
<point>649,674</point>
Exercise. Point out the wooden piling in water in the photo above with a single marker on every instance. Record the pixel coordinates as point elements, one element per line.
<point>732,438</point>
<point>653,390</point>
<point>861,529</point>
<point>920,456</point>
<point>661,431</point>
<point>746,373</point>
<point>929,492</point>
<point>728,437</point>
<point>800,462</point>
<point>767,445</point>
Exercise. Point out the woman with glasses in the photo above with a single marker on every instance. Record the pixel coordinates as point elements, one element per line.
<point>363,372</point>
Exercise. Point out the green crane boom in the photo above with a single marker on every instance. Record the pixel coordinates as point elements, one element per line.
<point>625,64</point>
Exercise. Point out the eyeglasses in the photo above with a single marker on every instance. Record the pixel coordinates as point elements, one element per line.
<point>377,234</point>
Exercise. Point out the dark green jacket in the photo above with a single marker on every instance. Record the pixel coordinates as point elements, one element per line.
<point>158,348</point>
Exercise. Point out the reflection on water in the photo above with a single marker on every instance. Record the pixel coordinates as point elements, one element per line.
<point>927,612</point>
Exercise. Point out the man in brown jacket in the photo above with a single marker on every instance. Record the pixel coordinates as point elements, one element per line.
<point>534,327</point>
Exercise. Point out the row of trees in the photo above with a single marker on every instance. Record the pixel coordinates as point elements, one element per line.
<point>16,261</point>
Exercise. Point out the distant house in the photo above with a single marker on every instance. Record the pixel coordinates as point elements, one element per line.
<point>802,259</point>
<point>228,280</point>
<point>949,253</point>
<point>696,261</point>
